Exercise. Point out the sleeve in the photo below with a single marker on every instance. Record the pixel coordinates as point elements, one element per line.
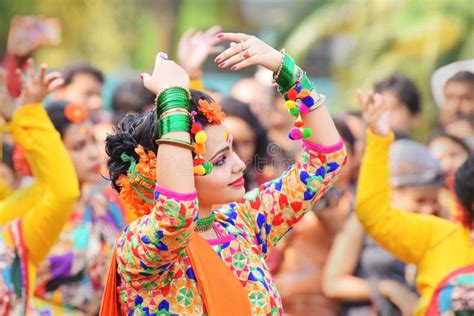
<point>404,234</point>
<point>273,208</point>
<point>151,244</point>
<point>42,224</point>
<point>19,202</point>
<point>5,190</point>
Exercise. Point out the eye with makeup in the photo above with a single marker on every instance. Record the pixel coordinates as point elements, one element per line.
<point>221,161</point>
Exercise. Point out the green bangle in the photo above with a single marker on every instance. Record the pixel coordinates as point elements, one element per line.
<point>172,91</point>
<point>286,78</point>
<point>174,123</point>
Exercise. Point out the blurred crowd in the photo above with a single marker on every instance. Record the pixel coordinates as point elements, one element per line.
<point>328,264</point>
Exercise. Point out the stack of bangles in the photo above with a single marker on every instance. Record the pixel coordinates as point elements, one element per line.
<point>295,86</point>
<point>173,115</point>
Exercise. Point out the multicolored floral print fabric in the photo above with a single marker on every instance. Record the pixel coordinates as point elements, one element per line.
<point>14,282</point>
<point>155,272</point>
<point>71,279</point>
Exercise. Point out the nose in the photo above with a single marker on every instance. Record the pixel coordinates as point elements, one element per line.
<point>239,165</point>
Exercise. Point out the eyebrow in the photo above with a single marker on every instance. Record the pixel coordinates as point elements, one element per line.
<point>220,151</point>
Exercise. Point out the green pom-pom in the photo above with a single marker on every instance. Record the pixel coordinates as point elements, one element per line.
<point>307,132</point>
<point>295,111</point>
<point>208,166</point>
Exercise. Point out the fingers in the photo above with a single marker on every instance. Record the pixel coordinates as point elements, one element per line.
<point>245,63</point>
<point>30,69</point>
<point>54,84</point>
<point>42,72</point>
<point>146,81</point>
<point>216,50</point>
<point>49,78</point>
<point>188,34</point>
<point>228,53</point>
<point>233,37</point>
<point>214,30</point>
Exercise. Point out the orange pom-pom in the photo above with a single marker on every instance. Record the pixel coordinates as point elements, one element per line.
<point>75,113</point>
<point>199,149</point>
<point>303,94</point>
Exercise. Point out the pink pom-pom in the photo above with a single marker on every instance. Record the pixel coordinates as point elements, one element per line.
<point>303,109</point>
<point>296,133</point>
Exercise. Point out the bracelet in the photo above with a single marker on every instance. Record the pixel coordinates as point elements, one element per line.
<point>173,111</point>
<point>286,78</point>
<point>172,90</point>
<point>175,142</point>
<point>319,102</point>
<point>174,123</point>
<point>277,74</point>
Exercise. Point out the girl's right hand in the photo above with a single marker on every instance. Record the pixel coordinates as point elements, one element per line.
<point>166,74</point>
<point>34,88</point>
<point>375,112</point>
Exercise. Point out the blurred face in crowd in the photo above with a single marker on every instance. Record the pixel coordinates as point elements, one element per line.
<point>416,199</point>
<point>84,89</point>
<point>244,137</point>
<point>458,100</point>
<point>246,90</point>
<point>401,119</point>
<point>80,142</point>
<point>451,155</point>
<point>225,183</point>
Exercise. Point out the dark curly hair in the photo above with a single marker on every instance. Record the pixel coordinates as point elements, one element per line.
<point>139,129</point>
<point>464,188</point>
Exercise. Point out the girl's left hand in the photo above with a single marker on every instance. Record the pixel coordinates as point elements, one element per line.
<point>247,50</point>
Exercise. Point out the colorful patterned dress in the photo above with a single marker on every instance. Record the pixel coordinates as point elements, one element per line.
<point>32,219</point>
<point>155,272</point>
<point>71,279</point>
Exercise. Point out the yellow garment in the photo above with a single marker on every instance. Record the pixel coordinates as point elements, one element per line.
<point>196,84</point>
<point>5,190</point>
<point>435,245</point>
<point>44,204</point>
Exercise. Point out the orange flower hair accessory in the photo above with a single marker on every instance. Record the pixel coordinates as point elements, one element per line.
<point>75,113</point>
<point>138,185</point>
<point>212,111</point>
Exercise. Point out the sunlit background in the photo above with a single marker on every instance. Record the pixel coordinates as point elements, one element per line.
<point>341,44</point>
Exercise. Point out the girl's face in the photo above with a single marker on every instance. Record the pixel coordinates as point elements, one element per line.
<point>80,142</point>
<point>225,183</point>
<point>416,199</point>
<point>449,154</point>
<point>244,138</point>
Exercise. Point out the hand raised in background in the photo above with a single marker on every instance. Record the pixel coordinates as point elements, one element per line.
<point>375,112</point>
<point>195,47</point>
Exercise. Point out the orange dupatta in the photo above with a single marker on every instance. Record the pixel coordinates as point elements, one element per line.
<point>221,291</point>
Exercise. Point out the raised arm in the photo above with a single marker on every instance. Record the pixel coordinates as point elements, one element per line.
<point>406,235</point>
<point>273,208</point>
<point>152,243</point>
<point>31,127</point>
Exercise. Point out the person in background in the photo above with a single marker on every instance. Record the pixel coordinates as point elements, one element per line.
<point>304,251</point>
<point>130,97</point>
<point>31,219</point>
<point>403,101</point>
<point>434,245</point>
<point>82,85</point>
<point>246,89</point>
<point>451,152</point>
<point>71,279</point>
<point>359,271</point>
<point>250,140</point>
<point>458,97</point>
